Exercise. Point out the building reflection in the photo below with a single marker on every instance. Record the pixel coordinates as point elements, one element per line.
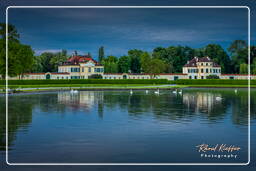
<point>202,102</point>
<point>82,100</point>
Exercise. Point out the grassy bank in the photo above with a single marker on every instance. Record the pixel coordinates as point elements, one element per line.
<point>99,84</point>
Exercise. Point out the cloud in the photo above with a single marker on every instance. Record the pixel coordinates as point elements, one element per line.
<point>40,51</point>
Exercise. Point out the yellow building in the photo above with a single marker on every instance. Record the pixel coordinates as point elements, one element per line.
<point>81,67</point>
<point>200,68</point>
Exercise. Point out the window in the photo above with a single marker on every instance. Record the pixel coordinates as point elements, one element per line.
<point>206,70</point>
<point>231,78</point>
<point>195,77</point>
<point>89,69</point>
<point>202,70</point>
<point>190,77</point>
<point>202,64</point>
<point>202,77</point>
<point>83,69</point>
<point>206,64</point>
<point>176,77</point>
<point>62,77</point>
<point>188,70</point>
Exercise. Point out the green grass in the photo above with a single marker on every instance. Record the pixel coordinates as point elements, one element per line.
<point>79,85</point>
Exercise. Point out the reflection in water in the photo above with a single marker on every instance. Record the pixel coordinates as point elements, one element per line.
<point>166,106</point>
<point>83,100</point>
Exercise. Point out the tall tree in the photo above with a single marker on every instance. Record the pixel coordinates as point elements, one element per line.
<point>218,54</point>
<point>110,64</point>
<point>135,56</point>
<point>12,32</point>
<point>101,53</point>
<point>20,57</point>
<point>243,68</point>
<point>123,64</point>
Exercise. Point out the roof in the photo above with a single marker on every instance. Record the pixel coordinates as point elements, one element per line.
<point>74,60</point>
<point>52,73</point>
<point>193,62</point>
<point>137,74</point>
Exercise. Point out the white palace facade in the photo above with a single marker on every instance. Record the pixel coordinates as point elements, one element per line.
<point>82,67</point>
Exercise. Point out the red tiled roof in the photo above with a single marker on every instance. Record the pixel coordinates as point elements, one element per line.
<point>143,74</point>
<point>78,59</point>
<point>60,73</point>
<point>43,73</point>
<point>193,62</point>
<point>205,59</point>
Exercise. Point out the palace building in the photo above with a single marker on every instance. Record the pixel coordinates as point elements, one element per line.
<point>200,68</point>
<point>82,67</point>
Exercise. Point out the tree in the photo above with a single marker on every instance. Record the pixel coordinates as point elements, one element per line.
<point>12,32</point>
<point>20,57</point>
<point>145,62</point>
<point>218,54</point>
<point>253,65</point>
<point>152,65</point>
<point>57,59</point>
<point>243,68</point>
<point>239,54</point>
<point>110,64</point>
<point>174,55</point>
<point>25,58</point>
<point>101,53</point>
<point>123,64</point>
<point>157,66</point>
<point>135,55</point>
<point>47,65</point>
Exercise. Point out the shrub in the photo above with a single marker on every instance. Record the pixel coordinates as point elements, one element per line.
<point>214,82</point>
<point>95,76</point>
<point>212,77</point>
<point>86,81</point>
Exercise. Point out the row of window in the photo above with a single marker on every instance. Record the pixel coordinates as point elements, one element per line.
<point>195,77</point>
<point>62,78</point>
<point>127,78</point>
<point>202,64</point>
<point>206,70</point>
<point>83,69</point>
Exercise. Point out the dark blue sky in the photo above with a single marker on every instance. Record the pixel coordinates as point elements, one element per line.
<point>119,30</point>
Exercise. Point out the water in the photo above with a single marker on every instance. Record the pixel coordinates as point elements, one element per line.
<point>117,127</point>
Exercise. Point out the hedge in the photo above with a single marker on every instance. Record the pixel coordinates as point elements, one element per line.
<point>214,82</point>
<point>86,81</point>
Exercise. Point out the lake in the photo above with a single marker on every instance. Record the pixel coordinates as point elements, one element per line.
<point>120,127</point>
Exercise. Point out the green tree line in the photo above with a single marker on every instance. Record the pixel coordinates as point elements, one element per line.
<point>21,58</point>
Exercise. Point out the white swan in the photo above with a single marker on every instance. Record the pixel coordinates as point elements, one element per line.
<point>180,92</point>
<point>157,92</point>
<point>174,92</point>
<point>235,90</point>
<point>218,98</point>
<point>131,92</point>
<point>146,91</point>
<point>73,91</point>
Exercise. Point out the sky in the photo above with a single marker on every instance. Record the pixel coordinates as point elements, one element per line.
<point>119,30</point>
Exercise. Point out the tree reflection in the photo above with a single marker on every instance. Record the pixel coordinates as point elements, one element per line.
<point>167,106</point>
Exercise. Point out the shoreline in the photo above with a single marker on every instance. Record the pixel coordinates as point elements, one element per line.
<point>56,89</point>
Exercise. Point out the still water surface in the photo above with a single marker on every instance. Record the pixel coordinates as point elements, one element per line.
<point>116,126</point>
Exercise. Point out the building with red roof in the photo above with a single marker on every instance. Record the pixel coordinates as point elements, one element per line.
<point>81,67</point>
<point>200,68</point>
